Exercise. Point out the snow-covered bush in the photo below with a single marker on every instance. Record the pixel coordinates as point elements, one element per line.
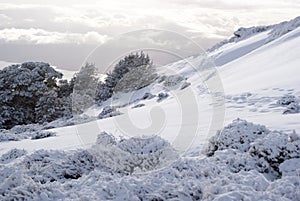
<point>42,134</point>
<point>283,28</point>
<point>172,80</point>
<point>237,135</point>
<point>292,108</point>
<point>275,31</point>
<point>133,155</point>
<point>139,105</point>
<point>147,96</point>
<point>162,96</point>
<point>286,100</point>
<point>108,111</point>
<point>185,85</point>
<point>103,172</point>
<point>6,135</point>
<point>275,148</point>
<point>291,103</point>
<point>19,132</point>
<point>12,155</point>
<point>49,166</point>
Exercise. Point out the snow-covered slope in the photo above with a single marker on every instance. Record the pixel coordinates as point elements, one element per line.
<point>249,162</point>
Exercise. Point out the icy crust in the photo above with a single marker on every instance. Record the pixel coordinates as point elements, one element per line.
<point>231,173</point>
<point>276,31</point>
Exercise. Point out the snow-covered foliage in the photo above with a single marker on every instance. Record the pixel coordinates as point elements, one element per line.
<point>139,105</point>
<point>62,122</point>
<point>275,148</point>
<point>136,78</point>
<point>291,103</point>
<point>162,96</point>
<point>147,96</point>
<point>108,111</point>
<point>134,155</point>
<point>19,132</point>
<point>111,170</point>
<point>256,147</point>
<point>237,135</point>
<point>41,134</point>
<point>85,84</point>
<point>129,63</point>
<point>172,80</point>
<point>28,94</point>
<point>12,155</point>
<point>276,31</point>
<point>283,28</point>
<point>185,85</point>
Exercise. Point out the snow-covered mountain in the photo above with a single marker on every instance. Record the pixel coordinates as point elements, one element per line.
<point>252,76</point>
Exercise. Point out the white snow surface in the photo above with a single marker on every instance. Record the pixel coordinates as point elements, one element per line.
<point>247,161</point>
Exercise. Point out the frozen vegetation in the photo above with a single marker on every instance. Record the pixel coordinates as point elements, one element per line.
<point>275,31</point>
<point>267,168</point>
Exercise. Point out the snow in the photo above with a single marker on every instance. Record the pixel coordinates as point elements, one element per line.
<point>179,148</point>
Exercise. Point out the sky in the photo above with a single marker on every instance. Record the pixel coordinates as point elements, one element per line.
<point>66,33</point>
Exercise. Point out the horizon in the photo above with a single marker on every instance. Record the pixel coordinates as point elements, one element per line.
<point>65,33</point>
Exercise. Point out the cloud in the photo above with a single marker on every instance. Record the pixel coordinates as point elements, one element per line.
<point>40,36</point>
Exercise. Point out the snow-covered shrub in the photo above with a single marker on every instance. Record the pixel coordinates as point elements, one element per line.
<point>139,105</point>
<point>275,31</point>
<point>162,96</point>
<point>6,135</point>
<point>275,148</point>
<point>286,100</point>
<point>172,80</point>
<point>283,28</point>
<point>237,135</point>
<point>49,166</point>
<point>161,78</point>
<point>185,85</point>
<point>42,134</point>
<point>292,108</point>
<point>147,96</point>
<point>108,111</point>
<point>12,155</point>
<point>133,155</point>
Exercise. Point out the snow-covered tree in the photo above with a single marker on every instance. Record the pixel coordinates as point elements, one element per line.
<point>21,87</point>
<point>30,93</point>
<point>138,64</point>
<point>85,84</point>
<point>136,78</point>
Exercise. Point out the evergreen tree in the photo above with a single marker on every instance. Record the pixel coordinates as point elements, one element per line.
<point>28,91</point>
<point>123,67</point>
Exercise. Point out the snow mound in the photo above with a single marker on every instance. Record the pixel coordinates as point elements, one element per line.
<point>237,135</point>
<point>133,155</point>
